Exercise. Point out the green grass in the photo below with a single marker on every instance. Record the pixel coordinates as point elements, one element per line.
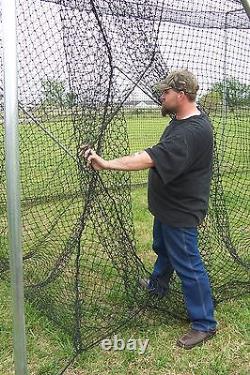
<point>49,347</point>
<point>47,171</point>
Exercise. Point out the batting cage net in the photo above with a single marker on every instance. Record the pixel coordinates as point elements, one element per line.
<point>86,71</point>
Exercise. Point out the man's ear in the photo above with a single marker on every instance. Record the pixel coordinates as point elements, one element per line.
<point>182,94</point>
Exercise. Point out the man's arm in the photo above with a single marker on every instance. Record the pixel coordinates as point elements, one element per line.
<point>135,162</point>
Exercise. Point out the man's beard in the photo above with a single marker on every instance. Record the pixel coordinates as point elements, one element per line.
<point>167,112</point>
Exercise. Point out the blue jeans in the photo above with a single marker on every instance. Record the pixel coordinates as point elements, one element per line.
<point>177,250</point>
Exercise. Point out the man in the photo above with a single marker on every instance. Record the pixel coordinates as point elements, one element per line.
<point>178,193</point>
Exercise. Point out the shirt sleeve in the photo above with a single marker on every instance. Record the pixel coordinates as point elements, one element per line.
<point>170,156</point>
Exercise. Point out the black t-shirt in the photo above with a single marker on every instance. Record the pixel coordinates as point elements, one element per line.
<point>179,183</point>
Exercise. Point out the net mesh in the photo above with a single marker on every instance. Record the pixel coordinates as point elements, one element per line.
<point>86,73</point>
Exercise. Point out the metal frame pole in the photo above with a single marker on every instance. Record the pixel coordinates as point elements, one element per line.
<point>224,94</point>
<point>13,181</point>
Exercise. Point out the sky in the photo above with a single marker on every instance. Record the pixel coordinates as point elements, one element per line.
<point>210,53</point>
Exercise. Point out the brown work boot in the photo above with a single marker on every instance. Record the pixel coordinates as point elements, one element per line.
<point>194,338</point>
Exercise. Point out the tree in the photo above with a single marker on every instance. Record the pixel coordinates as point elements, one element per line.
<point>234,92</point>
<point>70,99</point>
<point>211,100</point>
<point>230,92</point>
<point>55,94</point>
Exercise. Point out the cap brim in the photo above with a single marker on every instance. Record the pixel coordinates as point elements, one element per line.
<point>161,86</point>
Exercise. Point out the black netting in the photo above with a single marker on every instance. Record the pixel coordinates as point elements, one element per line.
<point>86,75</point>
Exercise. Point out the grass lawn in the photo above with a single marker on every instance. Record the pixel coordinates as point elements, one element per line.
<point>49,347</point>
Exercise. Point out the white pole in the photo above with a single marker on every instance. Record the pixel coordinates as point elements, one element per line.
<point>224,101</point>
<point>12,179</point>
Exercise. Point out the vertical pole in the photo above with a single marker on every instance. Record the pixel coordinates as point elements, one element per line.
<point>12,179</point>
<point>224,95</point>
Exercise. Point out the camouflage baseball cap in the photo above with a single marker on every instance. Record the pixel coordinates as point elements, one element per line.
<point>180,80</point>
